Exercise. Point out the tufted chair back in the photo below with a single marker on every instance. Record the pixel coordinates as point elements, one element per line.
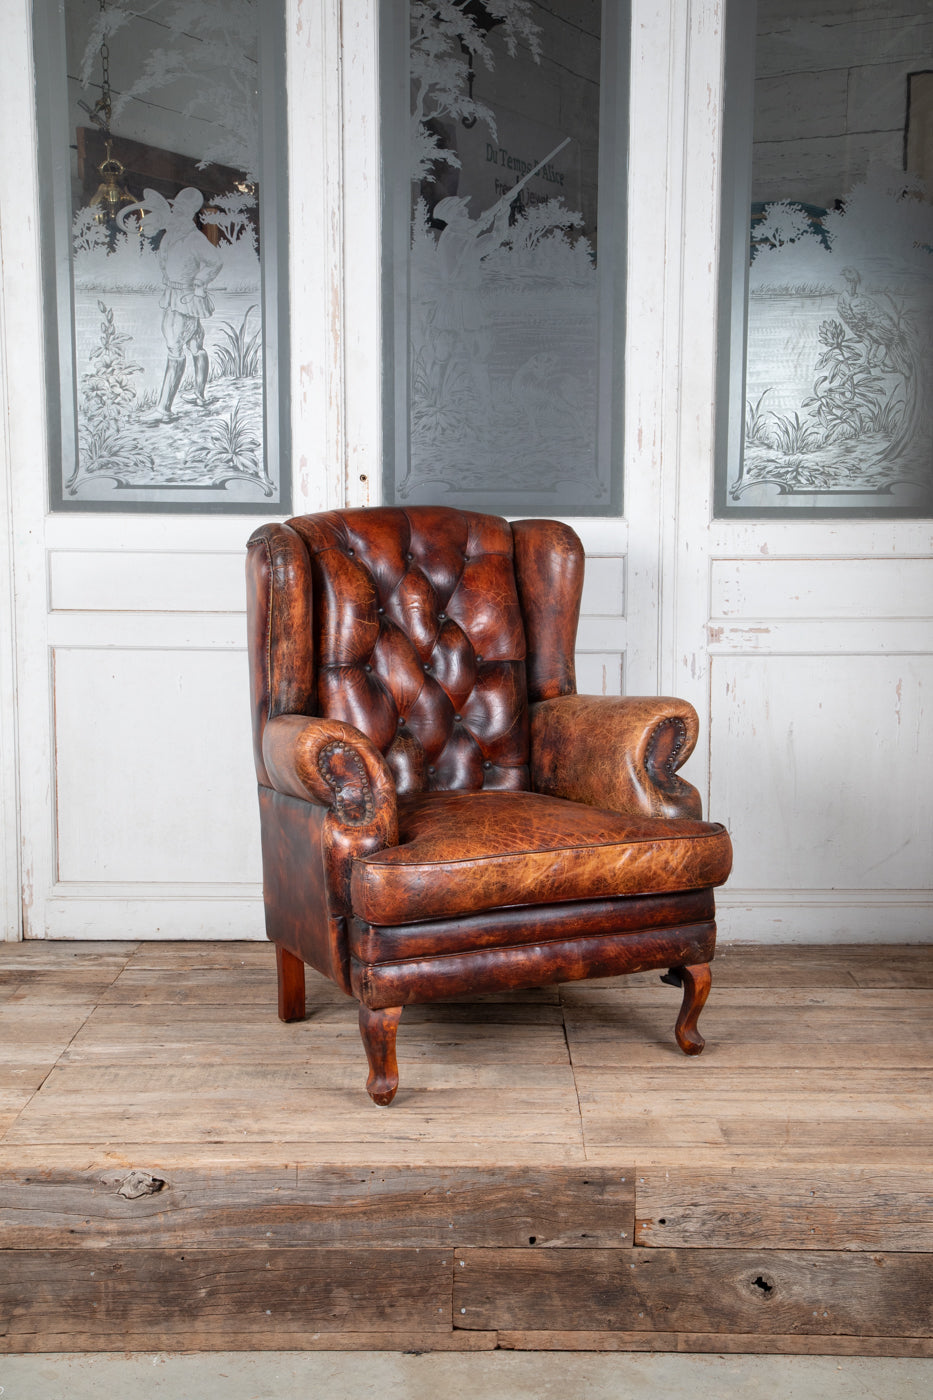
<point>416,632</point>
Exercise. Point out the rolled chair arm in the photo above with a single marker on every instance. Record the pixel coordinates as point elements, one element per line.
<point>334,765</point>
<point>617,752</point>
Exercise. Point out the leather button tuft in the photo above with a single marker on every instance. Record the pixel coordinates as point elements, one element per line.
<point>431,769</point>
<point>487,764</point>
<point>458,719</point>
<point>367,668</point>
<point>427,670</point>
<point>442,617</point>
<point>478,657</point>
<point>349,551</point>
<point>380,610</point>
<point>409,557</point>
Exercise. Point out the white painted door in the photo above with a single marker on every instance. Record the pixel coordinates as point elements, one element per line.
<point>128,796</point>
<point>807,643</point>
<point>128,793</point>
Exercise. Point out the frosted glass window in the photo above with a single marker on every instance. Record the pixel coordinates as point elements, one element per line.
<point>165,265</point>
<point>506,161</point>
<point>830,406</point>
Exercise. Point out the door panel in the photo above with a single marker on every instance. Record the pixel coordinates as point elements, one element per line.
<point>127,810</point>
<point>808,739</point>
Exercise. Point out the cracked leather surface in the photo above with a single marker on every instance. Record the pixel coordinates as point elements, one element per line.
<point>460,853</point>
<point>543,923</point>
<point>616,751</point>
<point>530,965</point>
<point>419,642</point>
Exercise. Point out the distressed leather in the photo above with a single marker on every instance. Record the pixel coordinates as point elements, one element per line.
<point>326,761</point>
<point>529,965</point>
<point>549,570</point>
<point>441,812</point>
<point>459,853</point>
<point>278,620</point>
<point>620,752</point>
<point>419,642</point>
<point>305,881</point>
<point>540,923</point>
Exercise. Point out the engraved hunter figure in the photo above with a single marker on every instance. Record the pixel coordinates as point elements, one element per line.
<point>189,263</point>
<point>461,339</point>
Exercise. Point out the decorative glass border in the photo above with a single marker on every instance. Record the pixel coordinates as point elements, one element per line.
<point>228,458</point>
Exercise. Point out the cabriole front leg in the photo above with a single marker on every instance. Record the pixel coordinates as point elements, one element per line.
<point>696,981</point>
<point>378,1029</point>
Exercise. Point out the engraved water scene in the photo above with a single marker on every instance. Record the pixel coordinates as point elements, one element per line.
<point>503,289</point>
<point>839,379</point>
<point>838,408</point>
<point>168,336</point>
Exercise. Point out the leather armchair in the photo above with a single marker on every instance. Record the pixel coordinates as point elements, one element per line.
<point>442,815</point>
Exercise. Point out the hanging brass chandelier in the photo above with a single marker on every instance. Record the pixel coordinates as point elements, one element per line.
<point>111,193</point>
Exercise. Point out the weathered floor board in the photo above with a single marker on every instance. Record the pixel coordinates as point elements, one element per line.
<point>332,1207</point>
<point>696,1290</point>
<point>826,1207</point>
<point>180,1170</point>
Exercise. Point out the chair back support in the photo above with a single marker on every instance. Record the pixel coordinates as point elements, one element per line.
<point>419,642</point>
<point>430,629</point>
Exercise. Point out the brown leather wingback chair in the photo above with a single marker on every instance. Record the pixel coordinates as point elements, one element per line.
<point>442,815</point>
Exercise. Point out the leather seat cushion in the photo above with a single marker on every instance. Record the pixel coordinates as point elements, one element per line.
<point>464,852</point>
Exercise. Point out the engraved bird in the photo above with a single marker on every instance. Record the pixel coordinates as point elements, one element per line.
<point>548,398</point>
<point>868,321</point>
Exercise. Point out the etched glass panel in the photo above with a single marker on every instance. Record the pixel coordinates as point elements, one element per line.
<point>505,391</point>
<point>165,269</point>
<point>837,402</point>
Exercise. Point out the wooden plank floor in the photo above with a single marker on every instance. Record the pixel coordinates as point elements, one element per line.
<point>179,1170</point>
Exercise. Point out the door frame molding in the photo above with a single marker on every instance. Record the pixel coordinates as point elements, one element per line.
<point>11,909</point>
<point>26,768</point>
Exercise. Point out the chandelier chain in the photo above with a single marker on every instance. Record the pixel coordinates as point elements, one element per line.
<point>105,97</point>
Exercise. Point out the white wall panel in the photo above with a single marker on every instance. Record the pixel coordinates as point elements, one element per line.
<point>822,588</point>
<point>154,770</point>
<point>599,672</point>
<point>604,586</point>
<point>819,636</point>
<point>821,771</point>
<point>603,630</point>
<point>147,580</point>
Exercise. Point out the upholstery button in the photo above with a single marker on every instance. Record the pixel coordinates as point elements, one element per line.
<point>457,719</point>
<point>487,764</point>
<point>478,657</point>
<point>380,610</point>
<point>367,668</point>
<point>427,670</point>
<point>401,720</point>
<point>442,617</point>
<point>409,557</point>
<point>431,769</point>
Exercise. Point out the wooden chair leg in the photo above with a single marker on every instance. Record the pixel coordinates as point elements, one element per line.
<point>378,1029</point>
<point>696,984</point>
<point>291,977</point>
